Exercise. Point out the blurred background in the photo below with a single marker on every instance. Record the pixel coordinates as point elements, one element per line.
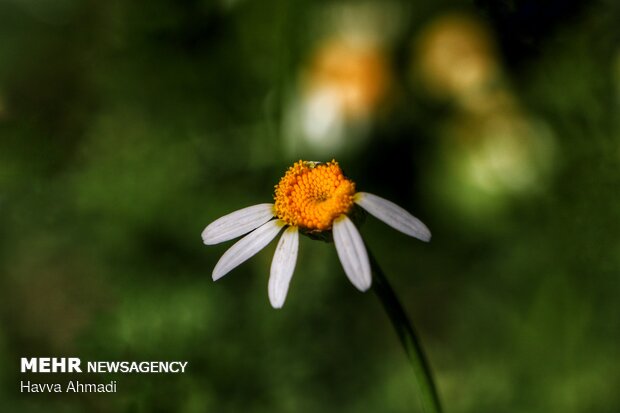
<point>127,127</point>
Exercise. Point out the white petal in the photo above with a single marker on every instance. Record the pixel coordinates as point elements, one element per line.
<point>393,215</point>
<point>246,247</point>
<point>282,266</point>
<point>352,253</point>
<point>237,223</point>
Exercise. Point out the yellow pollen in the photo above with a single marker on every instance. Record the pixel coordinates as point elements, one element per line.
<point>312,195</point>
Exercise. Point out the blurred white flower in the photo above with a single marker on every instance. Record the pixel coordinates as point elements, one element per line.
<point>346,80</point>
<point>313,198</point>
<point>338,94</point>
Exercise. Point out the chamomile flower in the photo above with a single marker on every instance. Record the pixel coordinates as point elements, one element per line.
<point>311,198</point>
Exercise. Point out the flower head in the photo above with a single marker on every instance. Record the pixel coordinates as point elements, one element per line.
<point>313,197</point>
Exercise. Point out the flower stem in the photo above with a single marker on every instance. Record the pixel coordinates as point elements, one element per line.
<point>408,338</point>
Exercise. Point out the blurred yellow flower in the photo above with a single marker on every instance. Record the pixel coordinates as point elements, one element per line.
<point>353,70</point>
<point>346,79</point>
<point>456,59</point>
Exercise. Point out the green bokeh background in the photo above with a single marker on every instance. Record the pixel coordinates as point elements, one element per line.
<point>126,127</point>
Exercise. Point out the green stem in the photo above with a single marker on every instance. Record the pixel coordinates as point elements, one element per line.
<point>408,338</point>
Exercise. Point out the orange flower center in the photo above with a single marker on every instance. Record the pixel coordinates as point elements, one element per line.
<point>312,195</point>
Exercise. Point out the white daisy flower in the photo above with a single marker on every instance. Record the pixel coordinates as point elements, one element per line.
<point>312,198</point>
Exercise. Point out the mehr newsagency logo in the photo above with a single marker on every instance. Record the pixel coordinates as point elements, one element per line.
<point>73,365</point>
